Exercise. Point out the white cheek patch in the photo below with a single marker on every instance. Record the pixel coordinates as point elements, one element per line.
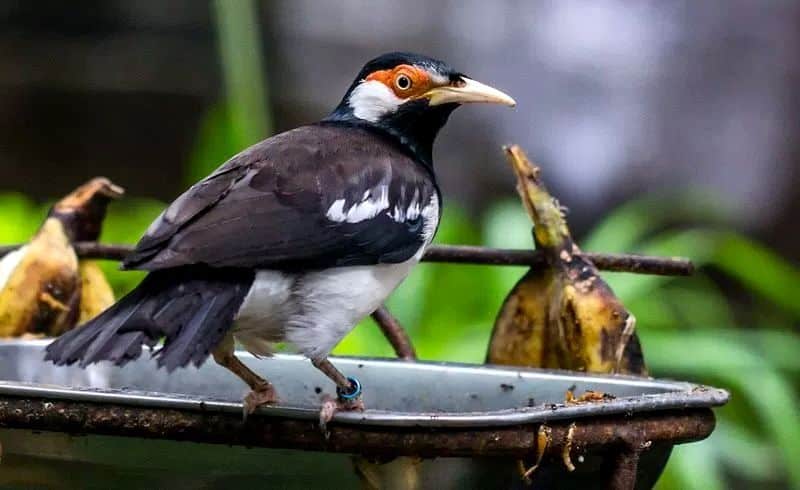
<point>438,79</point>
<point>371,100</point>
<point>372,203</point>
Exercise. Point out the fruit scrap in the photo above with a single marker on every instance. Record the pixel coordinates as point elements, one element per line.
<point>44,289</point>
<point>542,441</point>
<point>589,396</point>
<point>565,453</point>
<point>563,315</point>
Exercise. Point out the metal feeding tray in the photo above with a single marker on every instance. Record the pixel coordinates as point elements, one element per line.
<point>74,428</point>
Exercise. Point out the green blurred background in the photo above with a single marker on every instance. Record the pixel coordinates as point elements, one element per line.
<point>156,129</point>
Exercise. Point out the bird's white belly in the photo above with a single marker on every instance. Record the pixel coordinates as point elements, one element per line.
<point>262,318</point>
<point>313,311</point>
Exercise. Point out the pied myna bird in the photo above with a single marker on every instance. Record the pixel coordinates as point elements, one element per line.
<point>44,288</point>
<point>295,239</point>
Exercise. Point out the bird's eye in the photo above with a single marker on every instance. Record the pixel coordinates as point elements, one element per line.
<point>402,82</point>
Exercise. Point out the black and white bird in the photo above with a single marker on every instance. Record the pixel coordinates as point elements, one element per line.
<point>295,239</point>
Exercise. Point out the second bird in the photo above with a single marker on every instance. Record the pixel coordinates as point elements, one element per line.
<point>295,239</point>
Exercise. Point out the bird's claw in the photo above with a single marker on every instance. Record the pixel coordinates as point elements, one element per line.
<point>263,395</point>
<point>331,406</point>
<point>345,401</point>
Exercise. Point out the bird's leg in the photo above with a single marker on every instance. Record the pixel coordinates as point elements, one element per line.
<point>348,391</point>
<point>263,393</point>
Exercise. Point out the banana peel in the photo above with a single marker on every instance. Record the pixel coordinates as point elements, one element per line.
<point>563,315</point>
<point>96,292</point>
<point>44,289</point>
<point>402,473</point>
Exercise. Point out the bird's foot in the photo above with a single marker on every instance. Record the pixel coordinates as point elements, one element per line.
<point>345,401</point>
<point>261,395</point>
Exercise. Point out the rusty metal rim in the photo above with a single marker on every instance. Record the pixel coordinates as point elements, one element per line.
<point>622,431</point>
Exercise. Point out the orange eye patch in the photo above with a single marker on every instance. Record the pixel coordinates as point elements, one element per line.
<point>404,80</point>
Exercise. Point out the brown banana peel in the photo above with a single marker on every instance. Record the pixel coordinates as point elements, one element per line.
<point>565,315</point>
<point>402,473</point>
<point>44,289</point>
<point>96,292</point>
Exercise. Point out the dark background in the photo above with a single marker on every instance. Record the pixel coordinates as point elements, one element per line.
<point>614,99</point>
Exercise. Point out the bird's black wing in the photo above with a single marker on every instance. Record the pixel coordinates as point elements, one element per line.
<point>314,197</point>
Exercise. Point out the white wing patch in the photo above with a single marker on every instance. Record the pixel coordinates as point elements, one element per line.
<point>371,204</point>
<point>9,263</point>
<point>374,201</point>
<point>430,219</point>
<point>410,213</point>
<point>372,100</point>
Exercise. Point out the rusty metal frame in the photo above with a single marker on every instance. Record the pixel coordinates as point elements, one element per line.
<point>624,438</point>
<point>627,433</point>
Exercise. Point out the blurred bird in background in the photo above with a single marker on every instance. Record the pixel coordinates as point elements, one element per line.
<point>295,239</point>
<point>44,289</point>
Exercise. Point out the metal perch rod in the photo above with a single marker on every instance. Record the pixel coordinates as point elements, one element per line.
<point>464,254</point>
<point>639,264</point>
<point>395,334</point>
<point>460,254</point>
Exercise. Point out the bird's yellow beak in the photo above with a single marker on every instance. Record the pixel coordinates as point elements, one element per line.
<point>467,91</point>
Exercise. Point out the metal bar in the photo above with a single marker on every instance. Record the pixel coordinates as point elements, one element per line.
<point>463,254</point>
<point>395,334</point>
<point>640,264</point>
<point>623,476</point>
<point>276,432</point>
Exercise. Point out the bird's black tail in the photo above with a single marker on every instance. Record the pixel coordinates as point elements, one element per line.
<point>191,308</point>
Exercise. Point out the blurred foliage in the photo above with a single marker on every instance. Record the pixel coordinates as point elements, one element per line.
<point>243,117</point>
<point>733,324</point>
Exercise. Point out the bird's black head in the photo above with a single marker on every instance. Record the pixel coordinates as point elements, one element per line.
<point>409,97</point>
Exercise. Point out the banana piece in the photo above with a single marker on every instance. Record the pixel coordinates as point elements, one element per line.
<point>44,290</point>
<point>96,292</point>
<point>564,315</point>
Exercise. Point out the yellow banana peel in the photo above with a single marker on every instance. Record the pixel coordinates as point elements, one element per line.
<point>44,289</point>
<point>564,315</point>
<point>96,292</point>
